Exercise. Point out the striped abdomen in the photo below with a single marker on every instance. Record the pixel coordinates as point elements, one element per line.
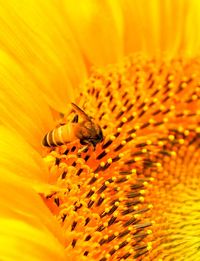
<point>61,135</point>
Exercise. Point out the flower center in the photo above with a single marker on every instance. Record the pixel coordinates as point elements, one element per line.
<point>120,200</point>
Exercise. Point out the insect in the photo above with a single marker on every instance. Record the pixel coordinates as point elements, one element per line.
<point>88,132</point>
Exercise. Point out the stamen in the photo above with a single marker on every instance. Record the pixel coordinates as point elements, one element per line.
<point>125,199</point>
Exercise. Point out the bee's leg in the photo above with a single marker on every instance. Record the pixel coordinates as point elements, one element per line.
<point>83,149</point>
<point>75,119</point>
<point>93,145</point>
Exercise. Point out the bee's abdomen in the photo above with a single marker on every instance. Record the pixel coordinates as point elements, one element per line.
<point>58,136</point>
<point>51,140</point>
<point>45,141</point>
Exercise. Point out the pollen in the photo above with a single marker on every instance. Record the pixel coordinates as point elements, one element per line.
<point>136,195</point>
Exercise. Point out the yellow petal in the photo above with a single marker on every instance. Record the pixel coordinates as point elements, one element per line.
<point>156,27</point>
<point>18,156</point>
<point>27,229</point>
<point>21,106</point>
<point>98,26</point>
<point>20,241</point>
<point>141,26</point>
<point>36,37</point>
<point>190,28</point>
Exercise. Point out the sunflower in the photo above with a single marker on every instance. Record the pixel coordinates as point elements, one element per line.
<point>133,68</point>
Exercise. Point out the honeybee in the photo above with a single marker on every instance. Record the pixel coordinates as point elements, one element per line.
<point>88,132</point>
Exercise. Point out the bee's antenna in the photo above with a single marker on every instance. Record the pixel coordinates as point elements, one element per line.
<point>80,112</point>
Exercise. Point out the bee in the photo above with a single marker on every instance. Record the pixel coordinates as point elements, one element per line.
<point>86,131</point>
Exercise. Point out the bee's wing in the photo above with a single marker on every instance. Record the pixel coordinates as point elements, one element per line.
<point>81,112</point>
